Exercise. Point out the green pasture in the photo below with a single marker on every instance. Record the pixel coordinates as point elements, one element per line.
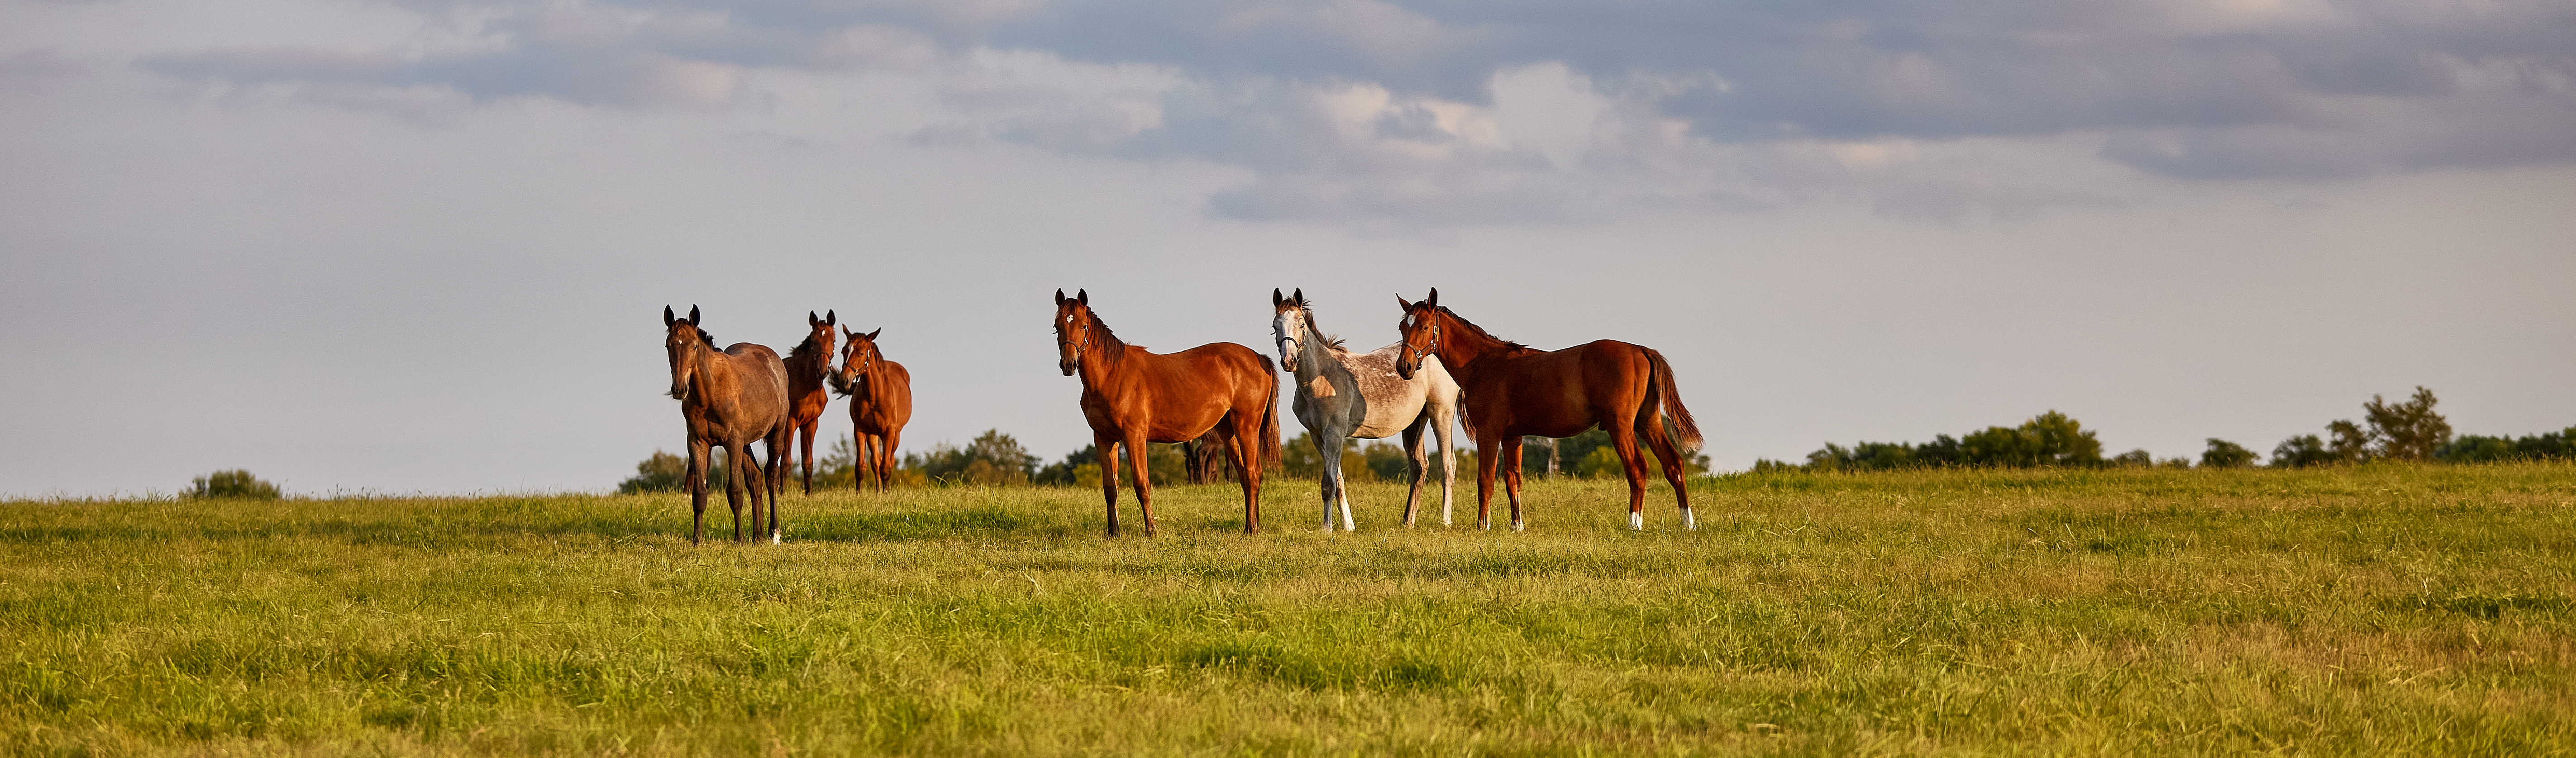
<point>2380,610</point>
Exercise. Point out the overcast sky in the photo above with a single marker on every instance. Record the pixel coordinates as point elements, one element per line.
<point>424,245</point>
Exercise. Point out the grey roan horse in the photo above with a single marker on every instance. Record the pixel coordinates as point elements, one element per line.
<point>1341,395</point>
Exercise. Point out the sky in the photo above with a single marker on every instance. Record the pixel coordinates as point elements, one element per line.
<point>423,246</point>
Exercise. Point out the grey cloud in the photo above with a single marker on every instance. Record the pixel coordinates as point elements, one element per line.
<point>2319,91</point>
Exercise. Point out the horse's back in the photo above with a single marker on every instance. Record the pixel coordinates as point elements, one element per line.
<point>765,377</point>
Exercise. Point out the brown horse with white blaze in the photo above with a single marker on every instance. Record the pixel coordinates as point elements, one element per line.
<point>807,365</point>
<point>880,393</point>
<point>1132,397</point>
<point>730,398</point>
<point>1510,390</point>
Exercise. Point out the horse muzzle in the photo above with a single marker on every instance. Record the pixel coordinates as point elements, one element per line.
<point>1069,366</point>
<point>680,392</point>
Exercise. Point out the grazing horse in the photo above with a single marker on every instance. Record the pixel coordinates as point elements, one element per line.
<point>1513,389</point>
<point>880,393</point>
<point>807,363</point>
<point>1341,395</point>
<point>729,398</point>
<point>1132,397</point>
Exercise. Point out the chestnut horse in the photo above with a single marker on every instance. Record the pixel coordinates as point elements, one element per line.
<point>807,363</point>
<point>880,393</point>
<point>1132,397</point>
<point>729,398</point>
<point>1510,389</point>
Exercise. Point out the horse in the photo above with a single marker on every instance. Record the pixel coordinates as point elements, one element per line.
<point>729,398</point>
<point>1341,395</point>
<point>1132,397</point>
<point>1512,389</point>
<point>880,393</point>
<point>807,363</point>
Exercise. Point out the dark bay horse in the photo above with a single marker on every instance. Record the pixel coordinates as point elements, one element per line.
<point>1341,394</point>
<point>1512,389</point>
<point>729,398</point>
<point>1132,397</point>
<point>880,393</point>
<point>807,363</point>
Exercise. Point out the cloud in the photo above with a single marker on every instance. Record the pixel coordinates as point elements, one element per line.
<point>1423,111</point>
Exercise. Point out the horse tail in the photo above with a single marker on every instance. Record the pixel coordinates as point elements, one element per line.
<point>1270,457</point>
<point>1661,382</point>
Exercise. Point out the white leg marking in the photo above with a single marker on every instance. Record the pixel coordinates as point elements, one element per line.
<point>1688,522</point>
<point>1636,521</point>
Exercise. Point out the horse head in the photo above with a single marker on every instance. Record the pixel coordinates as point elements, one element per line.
<point>858,359</point>
<point>1421,330</point>
<point>1288,327</point>
<point>1073,320</point>
<point>818,338</point>
<point>686,346</point>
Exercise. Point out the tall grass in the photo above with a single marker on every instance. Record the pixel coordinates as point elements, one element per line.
<point>2375,610</point>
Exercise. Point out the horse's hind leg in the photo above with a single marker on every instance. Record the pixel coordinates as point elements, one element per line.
<point>1511,456</point>
<point>778,486</point>
<point>1135,445</point>
<point>1243,449</point>
<point>1650,425</point>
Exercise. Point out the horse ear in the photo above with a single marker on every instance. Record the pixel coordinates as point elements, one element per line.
<point>872,336</point>
<point>668,318</point>
<point>1082,296</point>
<point>1299,296</point>
<point>1400,302</point>
<point>1434,302</point>
<point>813,320</point>
<point>1059,296</point>
<point>828,316</point>
<point>693,315</point>
<point>845,332</point>
<point>1275,299</point>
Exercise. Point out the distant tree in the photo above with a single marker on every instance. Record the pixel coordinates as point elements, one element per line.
<point>2049,439</point>
<point>1386,461</point>
<point>2303,451</point>
<point>2225,454</point>
<point>1069,471</point>
<point>2349,443</point>
<point>664,472</point>
<point>237,483</point>
<point>2408,431</point>
<point>991,458</point>
<point>2471,448</point>
<point>2138,458</point>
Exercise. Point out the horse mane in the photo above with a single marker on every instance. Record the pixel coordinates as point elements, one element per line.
<point>807,348</point>
<point>1333,342</point>
<point>1107,337</point>
<point>1480,331</point>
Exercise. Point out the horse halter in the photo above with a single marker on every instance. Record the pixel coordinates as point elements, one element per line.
<point>1426,350</point>
<point>1062,341</point>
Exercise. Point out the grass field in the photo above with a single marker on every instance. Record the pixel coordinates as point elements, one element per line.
<point>2370,611</point>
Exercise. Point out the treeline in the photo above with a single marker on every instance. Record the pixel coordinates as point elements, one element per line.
<point>2402,431</point>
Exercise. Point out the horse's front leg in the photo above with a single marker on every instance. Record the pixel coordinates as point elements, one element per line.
<point>1108,477</point>
<point>697,480</point>
<point>805,451</point>
<point>1417,461</point>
